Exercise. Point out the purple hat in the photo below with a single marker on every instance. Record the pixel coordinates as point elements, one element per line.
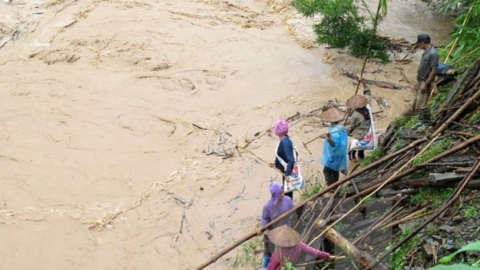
<point>281,127</point>
<point>275,190</point>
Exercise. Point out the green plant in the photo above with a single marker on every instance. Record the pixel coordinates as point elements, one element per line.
<point>475,246</point>
<point>247,256</point>
<point>435,195</point>
<point>288,266</point>
<point>464,49</point>
<point>406,122</point>
<point>398,255</point>
<point>343,26</point>
<point>474,118</point>
<point>312,186</point>
<point>372,157</point>
<point>436,149</point>
<point>470,212</point>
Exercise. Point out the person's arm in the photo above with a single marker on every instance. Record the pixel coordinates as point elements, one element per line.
<point>330,140</point>
<point>265,216</point>
<point>366,91</point>
<point>432,63</point>
<point>274,261</point>
<point>314,252</point>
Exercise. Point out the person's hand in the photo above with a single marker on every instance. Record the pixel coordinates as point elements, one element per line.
<point>450,72</point>
<point>423,88</point>
<point>332,258</point>
<point>344,172</point>
<point>435,89</point>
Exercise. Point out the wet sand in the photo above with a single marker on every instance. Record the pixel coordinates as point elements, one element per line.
<point>101,161</point>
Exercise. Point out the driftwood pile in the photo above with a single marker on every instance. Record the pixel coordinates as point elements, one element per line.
<point>442,150</point>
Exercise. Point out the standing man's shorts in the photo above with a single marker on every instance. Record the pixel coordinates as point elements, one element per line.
<point>422,97</point>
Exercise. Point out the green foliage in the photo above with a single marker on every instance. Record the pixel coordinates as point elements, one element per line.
<point>474,118</point>
<point>435,195</point>
<point>475,246</point>
<point>359,45</point>
<point>288,266</point>
<point>406,122</point>
<point>466,33</point>
<point>372,157</point>
<point>312,186</point>
<point>343,26</point>
<point>398,255</point>
<point>470,212</point>
<point>434,150</point>
<point>247,256</point>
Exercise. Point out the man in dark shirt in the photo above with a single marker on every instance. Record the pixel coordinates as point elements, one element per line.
<point>426,70</point>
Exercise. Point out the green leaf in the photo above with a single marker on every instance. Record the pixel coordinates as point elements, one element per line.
<point>469,247</point>
<point>459,266</point>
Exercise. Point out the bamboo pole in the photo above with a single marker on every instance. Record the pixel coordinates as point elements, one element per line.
<point>458,38</point>
<point>259,231</point>
<point>450,202</point>
<point>456,114</point>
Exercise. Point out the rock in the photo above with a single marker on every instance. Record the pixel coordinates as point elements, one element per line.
<point>448,247</point>
<point>427,251</point>
<point>446,228</point>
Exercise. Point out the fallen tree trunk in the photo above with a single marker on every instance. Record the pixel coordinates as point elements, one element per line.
<point>358,255</point>
<point>382,84</point>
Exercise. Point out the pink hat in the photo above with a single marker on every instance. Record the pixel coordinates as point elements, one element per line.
<point>281,127</point>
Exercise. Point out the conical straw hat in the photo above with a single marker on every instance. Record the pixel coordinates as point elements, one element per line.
<point>332,115</point>
<point>357,101</point>
<point>284,236</point>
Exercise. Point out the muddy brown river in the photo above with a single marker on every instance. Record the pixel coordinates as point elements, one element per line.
<point>119,119</point>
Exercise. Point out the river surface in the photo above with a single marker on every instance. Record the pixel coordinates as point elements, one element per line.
<point>119,120</point>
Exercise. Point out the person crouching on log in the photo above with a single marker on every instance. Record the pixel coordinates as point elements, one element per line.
<point>289,247</point>
<point>334,158</point>
<point>275,207</point>
<point>360,119</point>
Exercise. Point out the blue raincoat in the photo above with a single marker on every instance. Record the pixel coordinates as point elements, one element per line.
<point>335,157</point>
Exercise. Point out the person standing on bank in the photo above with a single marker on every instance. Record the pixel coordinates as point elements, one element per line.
<point>426,70</point>
<point>277,205</point>
<point>284,151</point>
<point>360,119</point>
<point>334,158</point>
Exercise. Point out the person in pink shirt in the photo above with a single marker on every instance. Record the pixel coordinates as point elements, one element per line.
<point>289,248</point>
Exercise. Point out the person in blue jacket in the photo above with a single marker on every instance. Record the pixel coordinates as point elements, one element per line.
<point>445,74</point>
<point>334,158</point>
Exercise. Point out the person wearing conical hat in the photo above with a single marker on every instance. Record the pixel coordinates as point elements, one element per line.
<point>276,206</point>
<point>289,247</point>
<point>360,119</point>
<point>334,158</point>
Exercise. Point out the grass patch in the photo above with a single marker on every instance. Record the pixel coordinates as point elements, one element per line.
<point>372,157</point>
<point>248,253</point>
<point>312,186</point>
<point>400,255</point>
<point>474,118</point>
<point>406,122</point>
<point>435,195</point>
<point>433,151</point>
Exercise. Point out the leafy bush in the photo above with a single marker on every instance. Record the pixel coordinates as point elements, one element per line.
<point>342,26</point>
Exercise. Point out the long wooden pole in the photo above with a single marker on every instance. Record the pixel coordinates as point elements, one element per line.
<point>259,231</point>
